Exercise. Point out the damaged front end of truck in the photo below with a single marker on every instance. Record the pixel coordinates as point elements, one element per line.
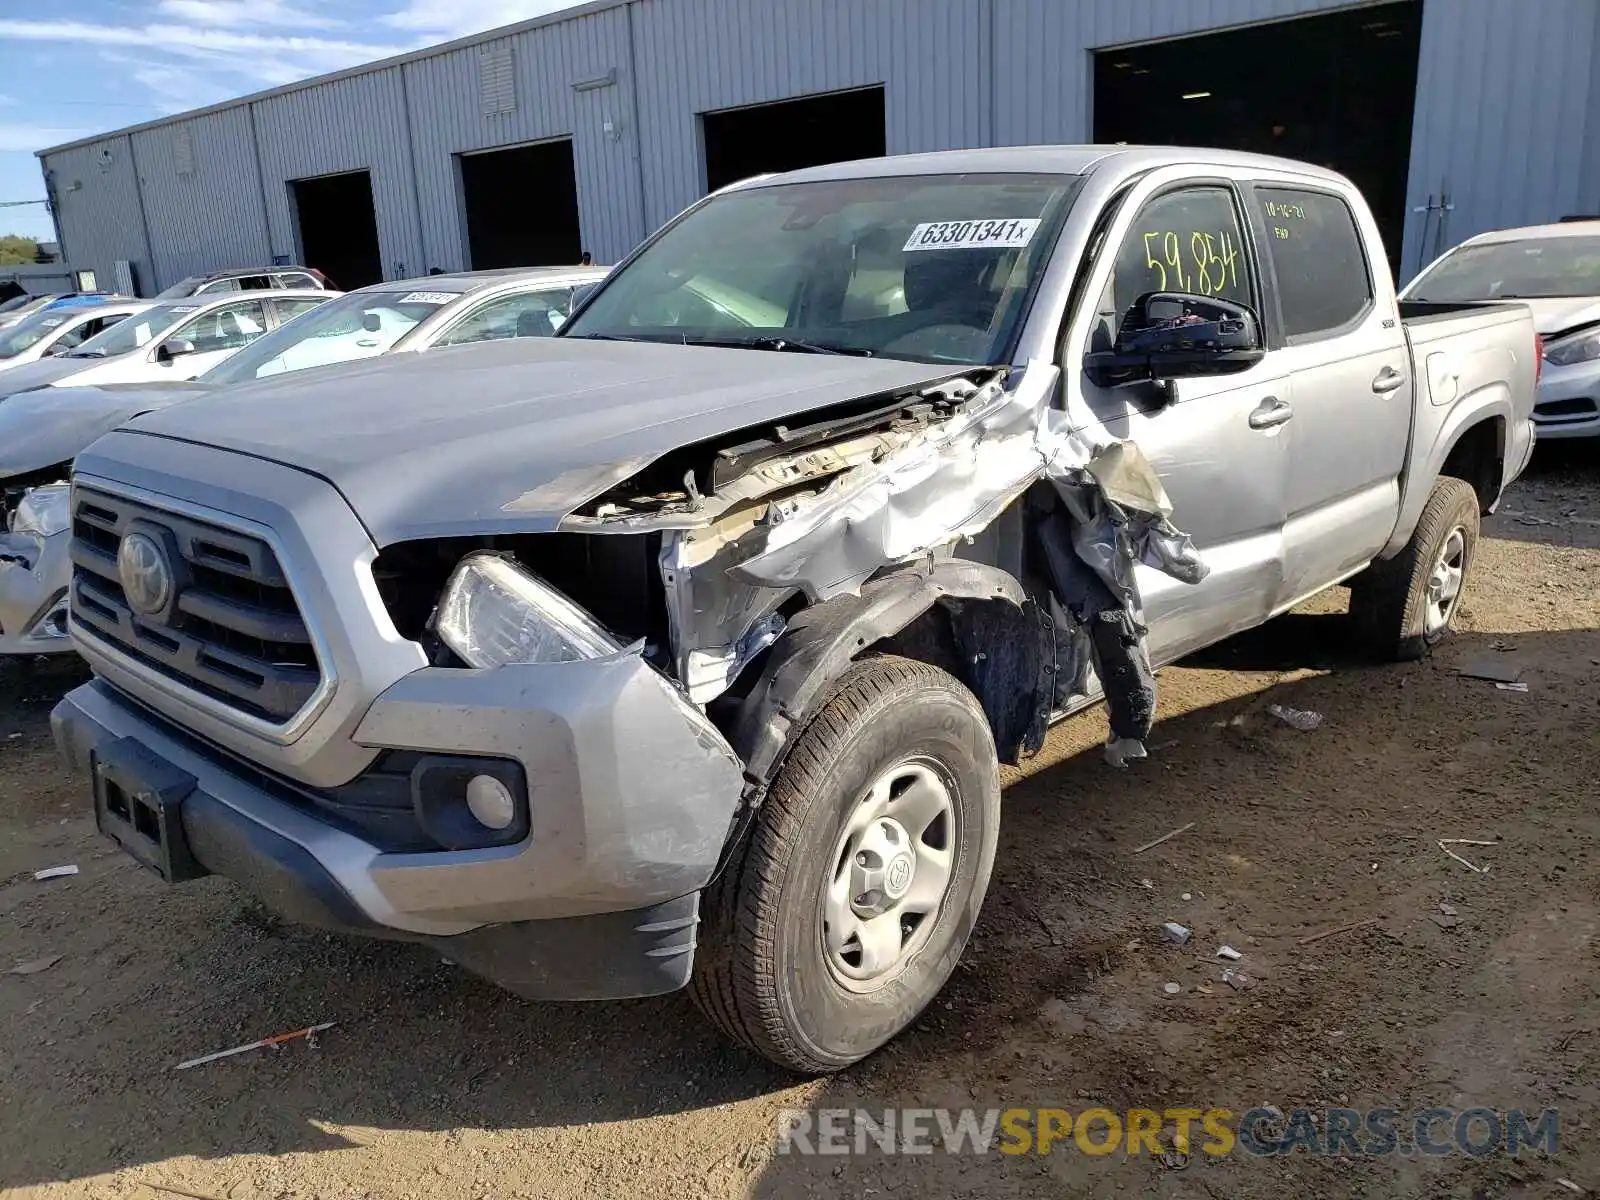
<point>959,522</point>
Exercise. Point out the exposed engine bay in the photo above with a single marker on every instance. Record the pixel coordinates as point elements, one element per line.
<point>707,553</point>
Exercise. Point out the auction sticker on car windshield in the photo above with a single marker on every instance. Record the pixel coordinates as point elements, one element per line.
<point>427,297</point>
<point>999,234</point>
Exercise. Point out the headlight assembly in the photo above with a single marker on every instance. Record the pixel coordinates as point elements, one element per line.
<point>1584,348</point>
<point>493,614</point>
<point>43,511</point>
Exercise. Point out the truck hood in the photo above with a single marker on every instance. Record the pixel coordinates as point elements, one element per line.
<point>42,373</point>
<point>1550,317</point>
<point>51,425</point>
<point>511,436</point>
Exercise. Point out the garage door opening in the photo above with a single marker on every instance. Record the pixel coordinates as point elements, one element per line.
<point>1336,90</point>
<point>339,227</point>
<point>521,206</point>
<point>788,135</point>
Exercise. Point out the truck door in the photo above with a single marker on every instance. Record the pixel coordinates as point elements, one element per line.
<point>1218,446</point>
<point>1351,386</point>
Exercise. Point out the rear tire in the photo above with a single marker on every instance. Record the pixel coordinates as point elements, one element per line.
<point>823,938</point>
<point>1402,607</point>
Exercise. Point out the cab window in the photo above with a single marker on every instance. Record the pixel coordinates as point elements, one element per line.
<point>526,314</point>
<point>1188,240</point>
<point>1318,262</point>
<point>82,333</point>
<point>227,328</point>
<point>288,310</point>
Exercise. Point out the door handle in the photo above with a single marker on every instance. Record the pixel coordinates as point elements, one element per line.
<point>1387,380</point>
<point>1269,413</point>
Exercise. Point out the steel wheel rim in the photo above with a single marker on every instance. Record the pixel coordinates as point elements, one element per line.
<point>1445,581</point>
<point>890,873</point>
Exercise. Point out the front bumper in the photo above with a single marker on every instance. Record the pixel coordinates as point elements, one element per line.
<point>631,803</point>
<point>1568,404</point>
<point>34,574</point>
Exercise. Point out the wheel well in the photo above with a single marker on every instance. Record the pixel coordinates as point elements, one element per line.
<point>1479,458</point>
<point>997,650</point>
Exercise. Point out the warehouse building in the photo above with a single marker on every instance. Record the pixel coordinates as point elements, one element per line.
<point>589,128</point>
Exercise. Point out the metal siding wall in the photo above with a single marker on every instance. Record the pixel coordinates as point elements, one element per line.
<point>448,119</point>
<point>209,220</point>
<point>697,56</point>
<point>351,124</point>
<point>1589,184</point>
<point>1508,110</point>
<point>100,221</point>
<point>1503,109</point>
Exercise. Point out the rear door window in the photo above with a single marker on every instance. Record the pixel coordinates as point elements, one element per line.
<point>288,310</point>
<point>230,327</point>
<point>526,314</point>
<point>1319,261</point>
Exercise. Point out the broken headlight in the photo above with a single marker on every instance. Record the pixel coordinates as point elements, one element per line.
<point>493,614</point>
<point>43,511</point>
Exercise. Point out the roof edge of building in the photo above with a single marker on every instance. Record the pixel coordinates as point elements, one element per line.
<point>589,8</point>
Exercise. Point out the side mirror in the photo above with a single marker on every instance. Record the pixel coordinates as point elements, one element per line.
<point>372,322</point>
<point>1173,335</point>
<point>176,348</point>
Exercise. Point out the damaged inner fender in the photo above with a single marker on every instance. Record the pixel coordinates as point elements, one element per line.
<point>710,553</point>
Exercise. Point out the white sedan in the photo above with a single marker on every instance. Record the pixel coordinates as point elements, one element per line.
<point>167,342</point>
<point>60,328</point>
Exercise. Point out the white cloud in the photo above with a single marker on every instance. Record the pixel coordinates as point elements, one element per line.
<point>234,13</point>
<point>316,53</point>
<point>444,19</point>
<point>26,137</point>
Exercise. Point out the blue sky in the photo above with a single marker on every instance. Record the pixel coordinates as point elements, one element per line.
<point>103,64</point>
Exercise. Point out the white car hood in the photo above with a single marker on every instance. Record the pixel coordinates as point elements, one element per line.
<point>1557,315</point>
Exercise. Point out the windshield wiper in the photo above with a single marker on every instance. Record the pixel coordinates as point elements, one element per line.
<point>784,344</point>
<point>83,354</point>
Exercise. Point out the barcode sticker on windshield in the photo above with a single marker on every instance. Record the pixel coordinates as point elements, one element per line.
<point>185,308</point>
<point>1002,234</point>
<point>427,298</point>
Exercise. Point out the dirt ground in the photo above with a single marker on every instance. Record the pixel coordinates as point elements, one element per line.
<point>435,1084</point>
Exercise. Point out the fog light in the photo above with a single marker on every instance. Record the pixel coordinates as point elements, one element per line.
<point>490,801</point>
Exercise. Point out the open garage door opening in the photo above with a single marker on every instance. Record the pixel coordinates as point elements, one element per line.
<point>1336,90</point>
<point>521,206</point>
<point>788,135</point>
<point>339,227</point>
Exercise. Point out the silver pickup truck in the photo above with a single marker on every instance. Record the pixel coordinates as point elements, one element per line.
<point>682,649</point>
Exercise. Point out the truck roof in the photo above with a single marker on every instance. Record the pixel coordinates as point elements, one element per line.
<point>1059,160</point>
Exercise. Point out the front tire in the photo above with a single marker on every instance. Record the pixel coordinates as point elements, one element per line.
<point>1403,607</point>
<point>856,891</point>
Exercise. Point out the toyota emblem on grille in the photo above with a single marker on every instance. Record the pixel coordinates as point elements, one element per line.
<point>145,573</point>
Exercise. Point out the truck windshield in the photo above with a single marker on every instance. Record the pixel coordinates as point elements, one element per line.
<point>1525,270</point>
<point>137,331</point>
<point>359,325</point>
<point>934,268</point>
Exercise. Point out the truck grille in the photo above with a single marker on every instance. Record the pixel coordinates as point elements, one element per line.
<point>226,626</point>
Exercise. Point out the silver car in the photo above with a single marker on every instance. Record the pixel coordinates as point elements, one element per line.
<point>41,431</point>
<point>1555,271</point>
